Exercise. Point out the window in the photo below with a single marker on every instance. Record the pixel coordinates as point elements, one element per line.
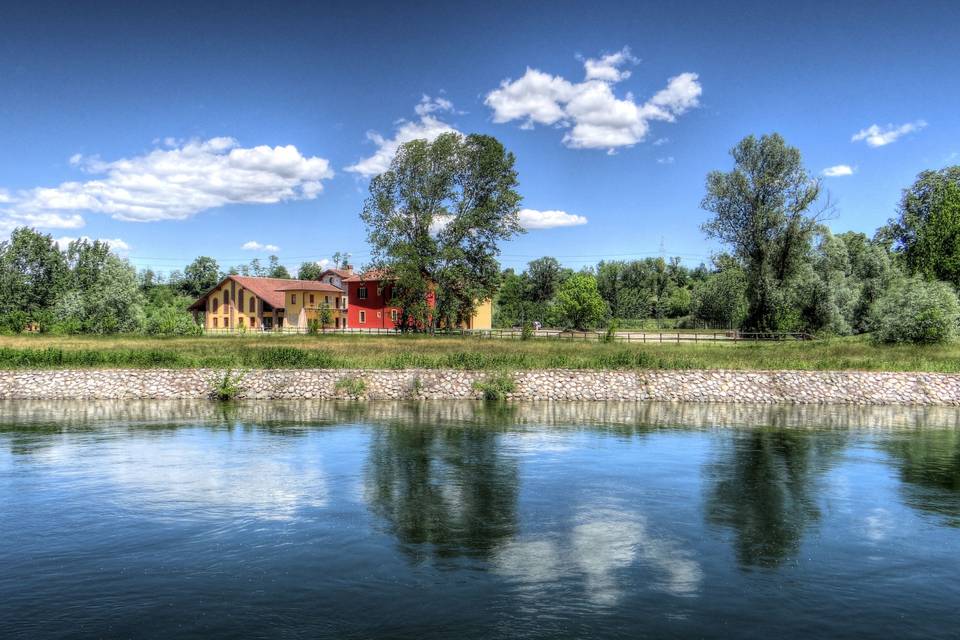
<point>240,300</point>
<point>216,304</point>
<point>253,321</point>
<point>226,323</point>
<point>311,298</point>
<point>326,300</point>
<point>293,298</point>
<point>240,321</point>
<point>393,314</point>
<point>214,323</point>
<point>253,304</point>
<point>363,317</point>
<point>362,293</point>
<point>226,296</point>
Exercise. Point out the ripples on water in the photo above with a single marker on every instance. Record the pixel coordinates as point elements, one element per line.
<point>457,519</point>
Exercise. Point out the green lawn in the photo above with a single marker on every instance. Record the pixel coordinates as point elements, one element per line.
<point>395,352</point>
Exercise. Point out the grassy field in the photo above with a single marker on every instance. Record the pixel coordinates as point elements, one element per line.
<point>397,352</point>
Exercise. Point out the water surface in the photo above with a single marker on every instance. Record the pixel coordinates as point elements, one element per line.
<point>399,520</point>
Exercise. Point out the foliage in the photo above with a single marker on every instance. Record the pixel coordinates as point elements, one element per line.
<point>227,387</point>
<point>199,276</point>
<point>313,326</point>
<point>526,331</point>
<point>309,271</point>
<point>761,211</point>
<point>277,270</point>
<point>434,221</point>
<point>352,386</point>
<point>926,232</point>
<point>721,299</point>
<point>496,386</point>
<point>578,303</point>
<point>916,311</point>
<point>33,272</point>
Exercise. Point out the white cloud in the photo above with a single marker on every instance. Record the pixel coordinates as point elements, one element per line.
<point>179,182</point>
<point>666,160</point>
<point>45,220</point>
<point>428,128</point>
<point>253,245</point>
<point>116,244</point>
<point>838,170</point>
<point>595,116</point>
<point>533,219</point>
<point>660,141</point>
<point>429,105</point>
<point>877,136</point>
<point>607,68</point>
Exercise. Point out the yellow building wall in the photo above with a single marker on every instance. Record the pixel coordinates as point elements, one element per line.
<point>482,317</point>
<point>297,300</point>
<point>229,315</point>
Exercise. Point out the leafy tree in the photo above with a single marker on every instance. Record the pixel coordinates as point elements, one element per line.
<point>679,302</point>
<point>544,276</point>
<point>434,221</point>
<point>277,270</point>
<point>927,232</point>
<point>309,271</point>
<point>579,304</point>
<point>326,315</point>
<point>103,295</point>
<point>199,276</point>
<point>721,299</point>
<point>917,311</point>
<point>341,260</point>
<point>33,272</point>
<point>762,210</point>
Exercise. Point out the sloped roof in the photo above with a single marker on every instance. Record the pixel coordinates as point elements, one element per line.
<point>311,285</point>
<point>267,289</point>
<point>374,275</point>
<point>343,273</point>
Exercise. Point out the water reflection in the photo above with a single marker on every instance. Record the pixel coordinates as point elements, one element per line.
<point>442,490</point>
<point>929,462</point>
<point>764,489</point>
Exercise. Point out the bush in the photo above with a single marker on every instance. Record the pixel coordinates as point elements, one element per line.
<point>352,386</point>
<point>917,312</point>
<point>526,332</point>
<point>496,386</point>
<point>228,386</point>
<point>611,335</point>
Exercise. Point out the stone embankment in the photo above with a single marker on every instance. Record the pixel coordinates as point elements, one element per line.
<point>798,387</point>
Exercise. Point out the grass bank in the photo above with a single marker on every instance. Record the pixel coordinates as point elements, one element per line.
<point>400,352</point>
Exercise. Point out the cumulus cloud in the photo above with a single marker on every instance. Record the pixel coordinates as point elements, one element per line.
<point>253,245</point>
<point>428,127</point>
<point>878,136</point>
<point>838,170</point>
<point>176,183</point>
<point>594,116</point>
<point>116,244</point>
<point>607,68</point>
<point>534,219</point>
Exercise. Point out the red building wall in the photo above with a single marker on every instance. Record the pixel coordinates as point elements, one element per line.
<point>374,306</point>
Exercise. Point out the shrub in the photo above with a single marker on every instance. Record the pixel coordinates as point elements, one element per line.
<point>313,327</point>
<point>611,335</point>
<point>227,387</point>
<point>496,386</point>
<point>917,312</point>
<point>351,386</point>
<point>526,331</point>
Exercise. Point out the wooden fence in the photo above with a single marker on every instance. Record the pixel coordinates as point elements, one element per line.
<point>640,337</point>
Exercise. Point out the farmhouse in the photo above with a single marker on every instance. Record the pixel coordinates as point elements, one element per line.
<point>339,299</point>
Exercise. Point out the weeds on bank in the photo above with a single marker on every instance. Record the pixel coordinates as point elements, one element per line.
<point>496,386</point>
<point>228,387</point>
<point>353,387</point>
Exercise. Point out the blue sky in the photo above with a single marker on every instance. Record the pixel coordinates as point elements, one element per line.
<point>185,130</point>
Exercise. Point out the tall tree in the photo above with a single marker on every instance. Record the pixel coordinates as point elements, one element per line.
<point>276,270</point>
<point>543,278</point>
<point>762,209</point>
<point>434,221</point>
<point>309,271</point>
<point>199,276</point>
<point>926,232</point>
<point>579,305</point>
<point>32,272</point>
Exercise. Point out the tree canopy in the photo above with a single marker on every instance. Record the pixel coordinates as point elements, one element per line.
<point>435,220</point>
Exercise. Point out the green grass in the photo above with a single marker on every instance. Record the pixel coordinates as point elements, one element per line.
<point>426,352</point>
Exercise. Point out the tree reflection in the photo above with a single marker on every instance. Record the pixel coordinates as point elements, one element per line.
<point>449,488</point>
<point>930,470</point>
<point>765,491</point>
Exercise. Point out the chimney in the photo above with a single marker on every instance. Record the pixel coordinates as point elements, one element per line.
<point>348,268</point>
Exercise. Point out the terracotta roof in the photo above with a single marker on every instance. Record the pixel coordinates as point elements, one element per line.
<point>343,273</point>
<point>310,285</point>
<point>267,289</point>
<point>374,275</point>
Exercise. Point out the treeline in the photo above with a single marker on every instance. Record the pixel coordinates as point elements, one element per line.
<point>783,269</point>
